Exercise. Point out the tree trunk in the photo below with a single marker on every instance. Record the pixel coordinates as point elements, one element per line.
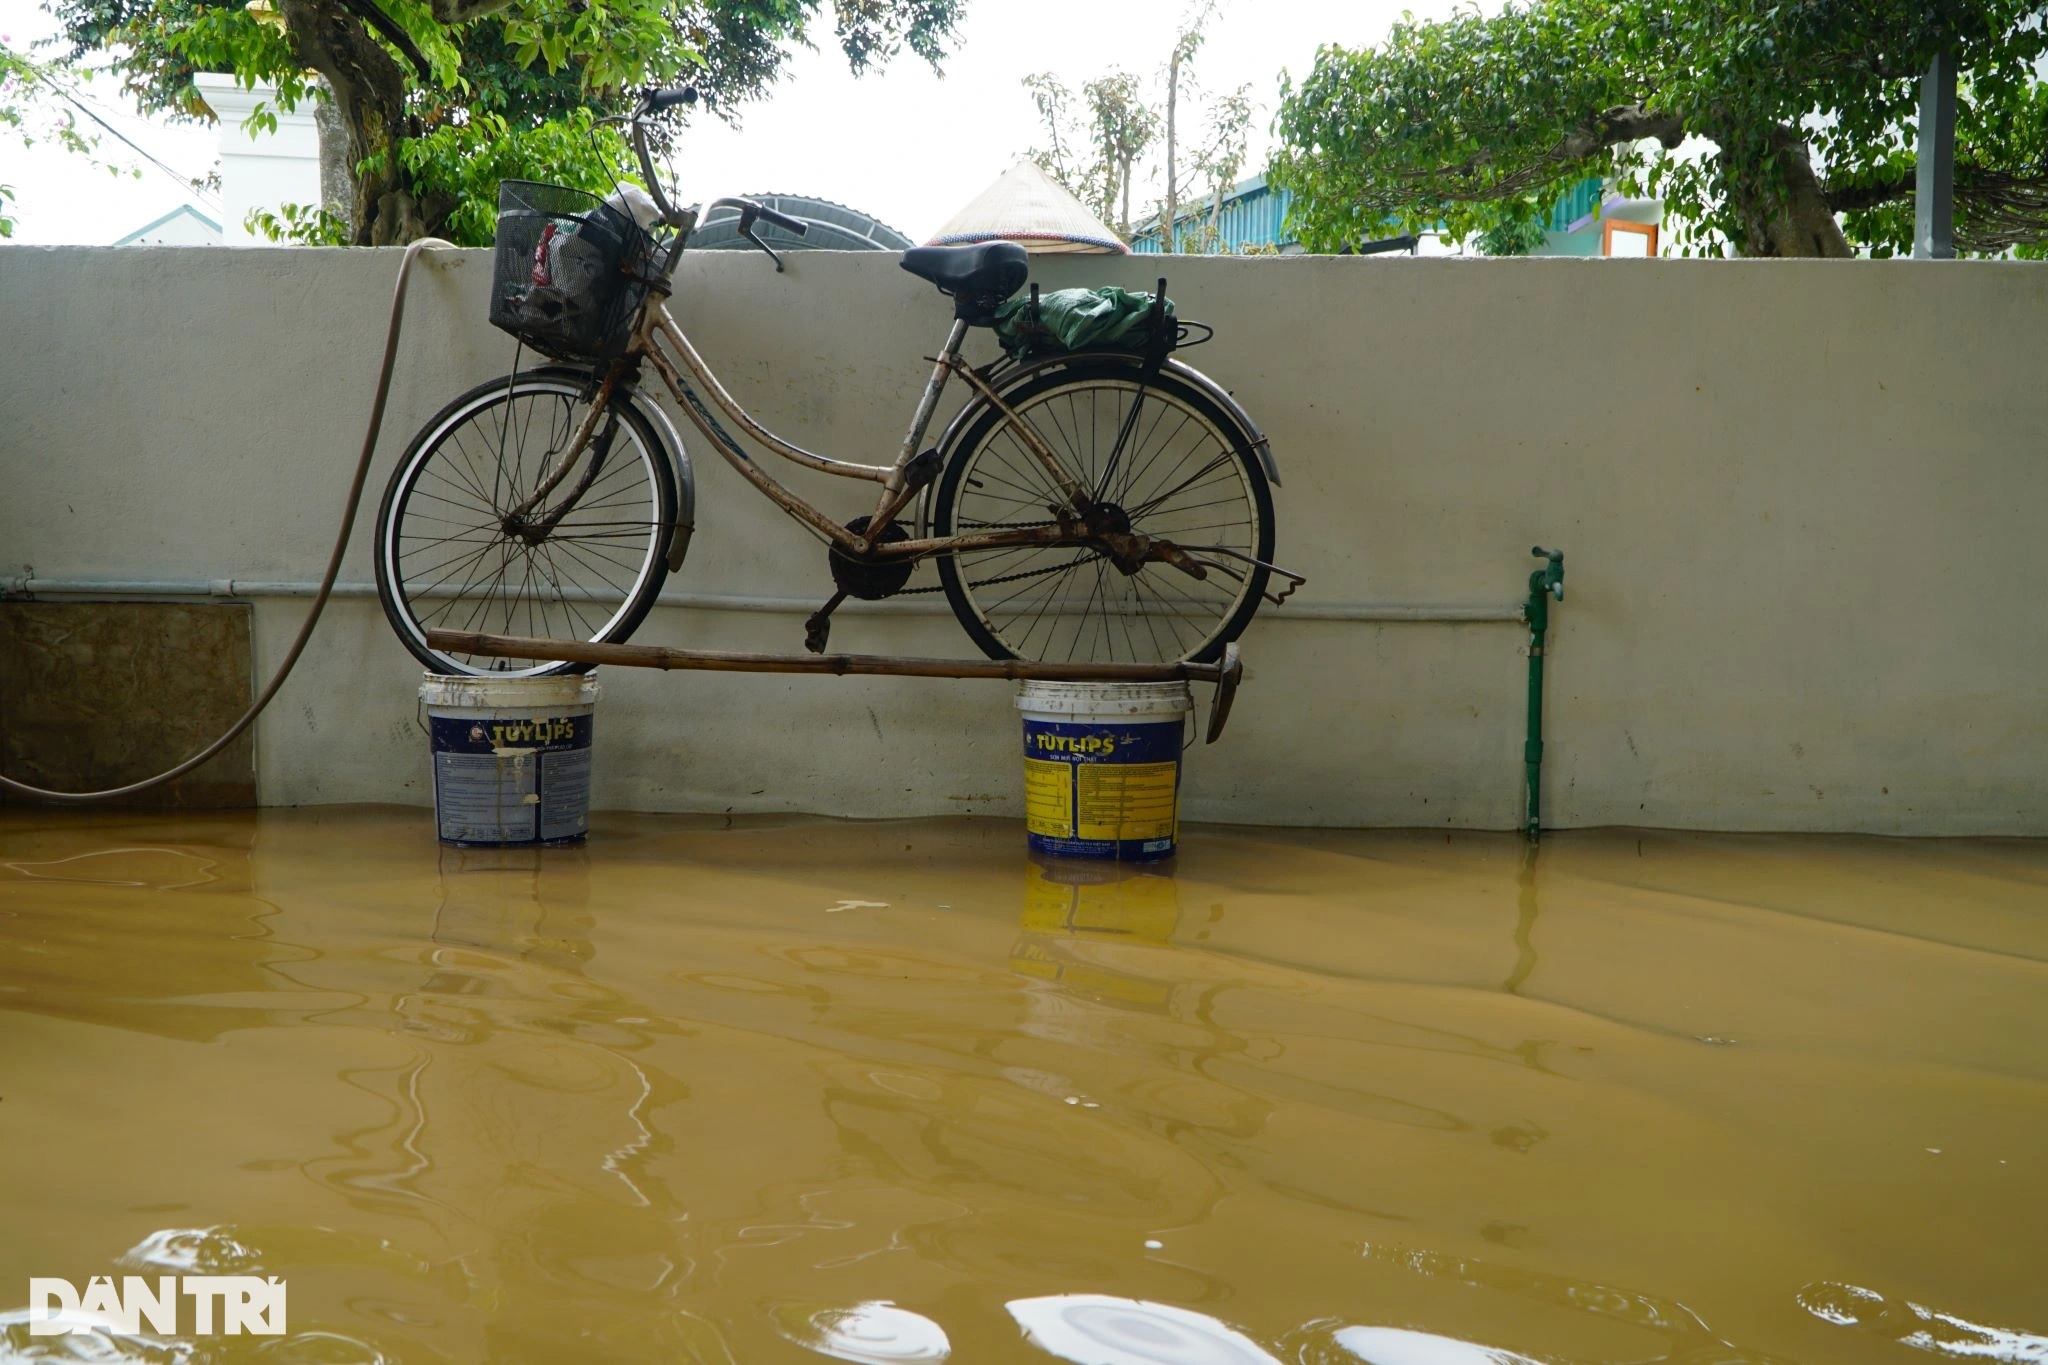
<point>1779,202</point>
<point>337,174</point>
<point>1169,218</point>
<point>368,87</point>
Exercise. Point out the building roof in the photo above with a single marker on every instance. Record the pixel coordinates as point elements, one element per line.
<point>833,227</point>
<point>1030,208</point>
<point>182,211</point>
<point>1197,206</point>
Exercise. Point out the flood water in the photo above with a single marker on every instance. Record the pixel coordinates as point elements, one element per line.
<point>788,1090</point>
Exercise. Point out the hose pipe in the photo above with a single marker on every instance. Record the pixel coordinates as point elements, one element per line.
<point>341,537</point>
<point>1544,583</point>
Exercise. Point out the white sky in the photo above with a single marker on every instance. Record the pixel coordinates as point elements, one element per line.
<point>905,145</point>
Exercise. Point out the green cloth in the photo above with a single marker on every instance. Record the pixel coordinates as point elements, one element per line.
<point>1077,319</point>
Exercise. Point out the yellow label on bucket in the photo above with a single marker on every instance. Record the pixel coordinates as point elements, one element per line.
<point>1049,798</point>
<point>1126,800</point>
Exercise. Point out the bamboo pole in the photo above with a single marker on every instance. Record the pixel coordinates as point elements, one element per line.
<point>720,661</point>
<point>1225,673</point>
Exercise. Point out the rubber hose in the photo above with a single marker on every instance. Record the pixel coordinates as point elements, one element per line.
<point>348,523</point>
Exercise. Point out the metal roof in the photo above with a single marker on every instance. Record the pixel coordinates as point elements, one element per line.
<point>834,227</point>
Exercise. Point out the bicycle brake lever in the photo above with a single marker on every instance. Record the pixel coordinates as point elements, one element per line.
<point>773,254</point>
<point>748,216</point>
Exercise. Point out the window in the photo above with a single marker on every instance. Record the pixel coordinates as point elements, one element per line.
<point>1628,239</point>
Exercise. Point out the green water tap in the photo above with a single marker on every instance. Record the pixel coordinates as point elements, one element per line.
<point>1544,583</point>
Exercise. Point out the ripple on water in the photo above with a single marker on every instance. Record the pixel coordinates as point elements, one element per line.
<point>1398,1346</point>
<point>88,1337</point>
<point>1920,1327</point>
<point>192,1251</point>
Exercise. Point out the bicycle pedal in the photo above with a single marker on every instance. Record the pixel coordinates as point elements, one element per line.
<point>818,625</point>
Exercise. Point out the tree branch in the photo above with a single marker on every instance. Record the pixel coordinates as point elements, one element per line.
<point>1611,127</point>
<point>388,29</point>
<point>457,12</point>
<point>1851,198</point>
<point>1617,125</point>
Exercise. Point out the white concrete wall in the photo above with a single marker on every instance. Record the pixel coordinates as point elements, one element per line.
<point>1802,504</point>
<point>266,170</point>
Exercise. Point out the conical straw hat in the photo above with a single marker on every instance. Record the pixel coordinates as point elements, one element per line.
<point>1030,208</point>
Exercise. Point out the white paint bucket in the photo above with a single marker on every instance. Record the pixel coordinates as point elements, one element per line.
<point>1102,767</point>
<point>511,758</point>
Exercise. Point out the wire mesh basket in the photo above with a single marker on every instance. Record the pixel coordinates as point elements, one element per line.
<point>569,270</point>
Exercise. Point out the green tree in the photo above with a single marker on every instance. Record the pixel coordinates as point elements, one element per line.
<point>1811,107</point>
<point>1093,140</point>
<point>1186,44</point>
<point>1220,160</point>
<point>441,98</point>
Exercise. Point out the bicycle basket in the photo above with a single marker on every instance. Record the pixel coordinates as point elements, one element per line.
<point>567,277</point>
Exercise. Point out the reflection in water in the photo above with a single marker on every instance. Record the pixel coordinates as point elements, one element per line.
<point>160,869</point>
<point>89,1337</point>
<point>1525,924</point>
<point>1079,913</point>
<point>636,1099</point>
<point>1924,1329</point>
<point>1397,1346</point>
<point>868,1333</point>
<point>1096,1329</point>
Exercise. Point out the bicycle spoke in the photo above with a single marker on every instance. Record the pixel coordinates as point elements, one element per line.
<point>1142,450</point>
<point>446,557</point>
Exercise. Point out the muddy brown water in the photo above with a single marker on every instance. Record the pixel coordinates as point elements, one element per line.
<point>791,1089</point>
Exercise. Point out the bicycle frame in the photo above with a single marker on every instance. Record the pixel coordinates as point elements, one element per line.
<point>655,333</point>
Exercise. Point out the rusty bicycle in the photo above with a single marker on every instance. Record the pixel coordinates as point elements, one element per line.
<point>1088,505</point>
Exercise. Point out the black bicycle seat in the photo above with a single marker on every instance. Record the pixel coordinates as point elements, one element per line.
<point>986,273</point>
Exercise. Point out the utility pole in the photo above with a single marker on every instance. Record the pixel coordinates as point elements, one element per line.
<point>1934,186</point>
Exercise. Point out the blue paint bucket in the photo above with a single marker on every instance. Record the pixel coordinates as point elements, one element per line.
<point>511,758</point>
<point>1102,767</point>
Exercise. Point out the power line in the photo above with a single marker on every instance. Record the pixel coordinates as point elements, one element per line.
<point>184,182</point>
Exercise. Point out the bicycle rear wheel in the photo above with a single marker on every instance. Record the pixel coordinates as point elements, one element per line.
<point>1181,469</point>
<point>454,551</point>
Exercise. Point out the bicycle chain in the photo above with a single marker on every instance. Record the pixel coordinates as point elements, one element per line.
<point>1006,578</point>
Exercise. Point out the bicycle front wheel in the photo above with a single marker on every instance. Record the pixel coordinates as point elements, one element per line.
<point>1163,457</point>
<point>459,548</point>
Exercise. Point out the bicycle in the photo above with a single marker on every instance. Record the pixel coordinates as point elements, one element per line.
<point>1090,505</point>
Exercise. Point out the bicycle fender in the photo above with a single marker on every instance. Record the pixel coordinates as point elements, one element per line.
<point>955,429</point>
<point>679,461</point>
<point>1260,443</point>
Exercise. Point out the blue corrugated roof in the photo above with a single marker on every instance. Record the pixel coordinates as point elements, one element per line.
<point>1254,215</point>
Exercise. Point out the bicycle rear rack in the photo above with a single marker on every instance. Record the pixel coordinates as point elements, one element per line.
<point>1226,673</point>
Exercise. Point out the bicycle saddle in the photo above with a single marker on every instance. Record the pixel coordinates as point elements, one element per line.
<point>978,277</point>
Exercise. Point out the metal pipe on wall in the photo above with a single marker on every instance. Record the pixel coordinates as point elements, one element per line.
<point>23,585</point>
<point>1535,612</point>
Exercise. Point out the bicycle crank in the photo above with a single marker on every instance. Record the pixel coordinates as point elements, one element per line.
<point>869,579</point>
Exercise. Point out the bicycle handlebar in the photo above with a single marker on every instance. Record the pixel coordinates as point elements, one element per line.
<point>652,101</point>
<point>788,224</point>
<point>657,100</point>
